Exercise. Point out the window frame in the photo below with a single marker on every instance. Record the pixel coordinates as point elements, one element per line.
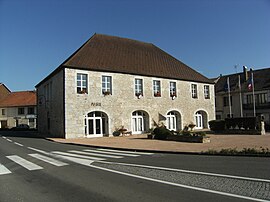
<point>107,89</point>
<point>30,109</point>
<point>156,88</point>
<point>82,88</point>
<point>21,111</point>
<point>138,87</point>
<point>173,92</point>
<point>206,91</point>
<point>194,90</point>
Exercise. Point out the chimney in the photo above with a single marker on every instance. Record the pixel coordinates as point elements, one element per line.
<point>245,73</point>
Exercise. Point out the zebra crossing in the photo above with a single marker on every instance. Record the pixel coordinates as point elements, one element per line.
<point>60,158</point>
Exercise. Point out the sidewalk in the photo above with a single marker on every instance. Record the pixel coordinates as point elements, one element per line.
<point>140,142</point>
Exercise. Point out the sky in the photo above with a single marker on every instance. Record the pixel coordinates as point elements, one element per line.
<point>211,36</point>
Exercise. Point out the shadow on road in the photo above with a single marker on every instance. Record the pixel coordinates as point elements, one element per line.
<point>23,134</point>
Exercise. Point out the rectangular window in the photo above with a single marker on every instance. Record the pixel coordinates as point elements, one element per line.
<point>206,92</point>
<point>21,111</point>
<point>31,110</point>
<point>156,88</point>
<point>173,89</point>
<point>106,85</point>
<point>226,101</point>
<point>82,83</point>
<point>249,99</point>
<point>194,91</point>
<point>138,87</point>
<point>261,98</point>
<point>3,111</point>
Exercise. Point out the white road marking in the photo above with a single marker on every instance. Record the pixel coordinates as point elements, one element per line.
<point>24,163</point>
<point>18,144</point>
<point>126,152</point>
<point>9,140</point>
<point>38,150</point>
<point>84,162</point>
<point>4,137</point>
<point>96,154</point>
<point>114,153</point>
<point>4,170</point>
<point>77,156</point>
<point>48,160</point>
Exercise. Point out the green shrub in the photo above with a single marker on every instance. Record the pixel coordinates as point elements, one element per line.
<point>217,125</point>
<point>161,133</point>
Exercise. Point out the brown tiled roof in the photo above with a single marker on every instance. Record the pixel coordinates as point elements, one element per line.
<point>121,55</point>
<point>17,99</point>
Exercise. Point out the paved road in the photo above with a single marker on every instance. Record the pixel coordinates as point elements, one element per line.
<point>34,169</point>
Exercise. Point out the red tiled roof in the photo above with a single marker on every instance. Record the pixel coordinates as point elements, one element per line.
<point>17,99</point>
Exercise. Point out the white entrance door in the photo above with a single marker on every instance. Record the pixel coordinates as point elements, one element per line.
<point>171,121</point>
<point>95,126</point>
<point>138,126</point>
<point>198,120</point>
<point>138,119</point>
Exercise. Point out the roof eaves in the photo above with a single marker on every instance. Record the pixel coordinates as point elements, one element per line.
<point>137,74</point>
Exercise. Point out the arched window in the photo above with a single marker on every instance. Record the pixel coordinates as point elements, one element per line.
<point>201,120</point>
<point>173,120</point>
<point>140,122</point>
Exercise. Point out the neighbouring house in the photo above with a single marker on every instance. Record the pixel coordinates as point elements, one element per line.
<point>112,82</point>
<point>18,108</point>
<point>242,98</point>
<point>4,91</point>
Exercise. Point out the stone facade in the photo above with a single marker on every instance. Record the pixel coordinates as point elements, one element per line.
<point>119,106</point>
<point>50,105</point>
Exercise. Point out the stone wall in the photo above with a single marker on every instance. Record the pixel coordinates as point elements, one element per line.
<point>120,105</point>
<point>50,105</point>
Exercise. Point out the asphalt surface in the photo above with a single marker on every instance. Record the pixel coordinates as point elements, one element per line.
<point>137,177</point>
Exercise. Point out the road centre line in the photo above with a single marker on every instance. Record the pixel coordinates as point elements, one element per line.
<point>18,144</point>
<point>114,153</point>
<point>191,172</point>
<point>24,163</point>
<point>96,154</point>
<point>126,152</point>
<point>179,185</point>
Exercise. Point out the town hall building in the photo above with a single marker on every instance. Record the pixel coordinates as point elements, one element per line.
<point>112,82</point>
